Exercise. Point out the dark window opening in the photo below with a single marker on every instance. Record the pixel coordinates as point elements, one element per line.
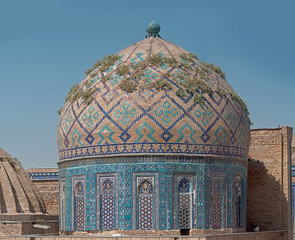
<point>184,231</point>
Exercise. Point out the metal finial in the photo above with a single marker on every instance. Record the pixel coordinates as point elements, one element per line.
<point>153,28</point>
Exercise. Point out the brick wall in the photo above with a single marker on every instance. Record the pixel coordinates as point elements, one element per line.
<point>269,180</point>
<point>46,181</point>
<point>293,151</point>
<point>49,192</point>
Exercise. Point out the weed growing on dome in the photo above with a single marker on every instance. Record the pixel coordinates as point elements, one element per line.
<point>106,78</point>
<point>97,64</point>
<point>185,65</point>
<point>155,59</point>
<point>188,56</point>
<point>59,111</point>
<point>139,66</point>
<point>103,65</point>
<point>198,99</point>
<point>237,97</point>
<point>87,95</point>
<point>87,84</point>
<point>89,70</point>
<point>220,91</point>
<point>191,85</point>
<point>122,70</point>
<point>170,61</point>
<point>215,68</point>
<point>74,93</point>
<point>180,92</point>
<point>128,85</point>
<point>160,84</point>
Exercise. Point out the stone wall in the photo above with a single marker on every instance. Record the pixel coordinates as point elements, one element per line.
<point>269,181</point>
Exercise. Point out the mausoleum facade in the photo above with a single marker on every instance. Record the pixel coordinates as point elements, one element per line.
<point>153,139</point>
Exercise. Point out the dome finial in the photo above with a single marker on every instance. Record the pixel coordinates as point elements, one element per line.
<point>153,28</point>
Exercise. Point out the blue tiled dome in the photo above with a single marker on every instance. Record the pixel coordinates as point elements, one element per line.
<point>158,115</point>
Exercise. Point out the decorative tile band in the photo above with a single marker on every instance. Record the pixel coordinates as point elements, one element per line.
<point>152,148</point>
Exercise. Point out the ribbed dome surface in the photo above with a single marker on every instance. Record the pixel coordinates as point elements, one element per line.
<point>153,119</point>
<point>17,192</point>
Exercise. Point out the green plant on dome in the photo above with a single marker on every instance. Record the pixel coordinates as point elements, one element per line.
<point>122,70</point>
<point>180,92</point>
<point>74,93</point>
<point>188,56</point>
<point>215,68</point>
<point>87,84</point>
<point>128,85</point>
<point>191,85</point>
<point>237,97</point>
<point>170,61</point>
<point>106,78</point>
<point>87,95</point>
<point>103,65</point>
<point>89,70</point>
<point>185,65</point>
<point>97,64</point>
<point>139,66</point>
<point>220,91</point>
<point>110,60</point>
<point>93,73</point>
<point>59,111</point>
<point>160,84</point>
<point>155,59</point>
<point>198,99</point>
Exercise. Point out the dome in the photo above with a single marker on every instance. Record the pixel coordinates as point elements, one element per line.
<point>17,192</point>
<point>153,97</point>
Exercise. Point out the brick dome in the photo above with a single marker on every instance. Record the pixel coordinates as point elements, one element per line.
<point>18,194</point>
<point>153,98</point>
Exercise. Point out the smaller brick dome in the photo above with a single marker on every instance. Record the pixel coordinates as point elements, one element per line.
<point>17,192</point>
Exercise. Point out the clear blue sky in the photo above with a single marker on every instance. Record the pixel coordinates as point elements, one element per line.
<point>45,46</point>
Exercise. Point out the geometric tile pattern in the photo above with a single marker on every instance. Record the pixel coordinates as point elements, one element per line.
<point>145,208</point>
<point>153,121</point>
<point>217,190</point>
<point>184,204</point>
<point>153,194</point>
<point>108,203</point>
<point>108,209</point>
<point>145,203</point>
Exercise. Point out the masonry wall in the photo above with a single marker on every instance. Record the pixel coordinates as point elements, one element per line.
<point>47,187</point>
<point>49,192</point>
<point>269,180</point>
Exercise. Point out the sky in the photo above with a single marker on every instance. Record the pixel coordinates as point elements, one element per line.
<point>46,45</point>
